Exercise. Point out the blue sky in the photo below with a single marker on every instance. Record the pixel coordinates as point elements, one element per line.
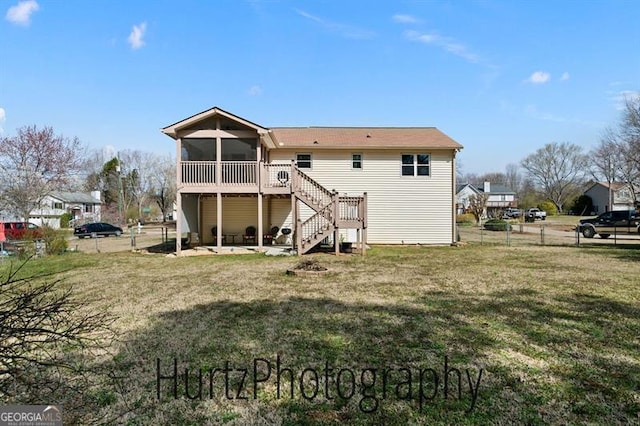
<point>503,78</point>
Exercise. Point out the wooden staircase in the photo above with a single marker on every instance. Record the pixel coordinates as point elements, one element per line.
<point>331,212</point>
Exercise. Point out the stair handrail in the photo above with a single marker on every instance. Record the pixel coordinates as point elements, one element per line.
<point>303,183</point>
<point>319,221</point>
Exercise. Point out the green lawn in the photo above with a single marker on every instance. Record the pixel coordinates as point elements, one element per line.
<point>539,335</point>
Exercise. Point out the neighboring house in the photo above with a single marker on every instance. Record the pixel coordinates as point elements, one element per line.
<point>83,207</point>
<point>621,193</point>
<point>363,185</point>
<point>500,197</point>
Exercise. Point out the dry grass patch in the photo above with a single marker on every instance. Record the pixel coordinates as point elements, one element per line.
<point>554,330</point>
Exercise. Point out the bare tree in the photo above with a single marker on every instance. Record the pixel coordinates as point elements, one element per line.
<point>137,169</point>
<point>34,163</point>
<point>558,169</point>
<point>617,157</point>
<point>47,338</point>
<point>513,178</point>
<point>605,161</point>
<point>478,204</point>
<point>163,187</point>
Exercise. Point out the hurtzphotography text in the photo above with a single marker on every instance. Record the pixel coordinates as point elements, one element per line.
<point>370,385</point>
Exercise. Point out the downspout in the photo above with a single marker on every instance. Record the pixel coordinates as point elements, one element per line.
<point>454,239</point>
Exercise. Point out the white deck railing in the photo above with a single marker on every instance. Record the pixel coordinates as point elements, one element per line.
<point>239,173</point>
<point>198,173</point>
<point>232,173</point>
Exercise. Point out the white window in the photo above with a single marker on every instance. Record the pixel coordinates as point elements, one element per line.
<point>303,160</point>
<point>415,165</point>
<point>356,161</point>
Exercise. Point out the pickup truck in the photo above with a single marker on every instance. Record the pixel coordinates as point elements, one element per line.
<point>611,222</point>
<point>536,213</point>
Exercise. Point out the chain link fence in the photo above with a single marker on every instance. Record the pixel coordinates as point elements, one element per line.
<point>540,234</point>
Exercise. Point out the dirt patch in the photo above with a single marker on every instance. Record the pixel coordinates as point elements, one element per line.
<point>308,267</point>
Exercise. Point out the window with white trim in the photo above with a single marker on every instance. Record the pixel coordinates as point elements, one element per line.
<point>416,165</point>
<point>303,160</point>
<point>356,161</point>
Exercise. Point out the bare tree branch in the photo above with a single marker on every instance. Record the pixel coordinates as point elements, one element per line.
<point>557,169</point>
<point>34,163</point>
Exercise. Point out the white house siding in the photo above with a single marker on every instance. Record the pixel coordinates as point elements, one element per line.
<point>463,198</point>
<point>401,209</point>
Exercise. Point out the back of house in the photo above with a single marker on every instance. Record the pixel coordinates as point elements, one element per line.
<point>380,185</point>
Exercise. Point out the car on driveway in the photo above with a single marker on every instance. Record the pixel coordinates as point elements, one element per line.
<point>511,213</point>
<point>22,231</point>
<point>96,229</point>
<point>611,222</point>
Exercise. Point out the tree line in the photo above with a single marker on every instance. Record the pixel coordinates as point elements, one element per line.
<point>37,161</point>
<point>560,171</point>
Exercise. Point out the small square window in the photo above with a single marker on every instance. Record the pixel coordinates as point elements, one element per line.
<point>356,161</point>
<point>303,161</point>
<point>415,165</point>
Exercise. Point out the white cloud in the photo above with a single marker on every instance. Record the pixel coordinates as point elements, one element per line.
<point>565,76</point>
<point>20,14</point>
<point>533,112</point>
<point>539,77</point>
<point>446,43</point>
<point>255,91</point>
<point>621,98</point>
<point>347,31</point>
<point>405,19</point>
<point>3,117</point>
<point>137,33</point>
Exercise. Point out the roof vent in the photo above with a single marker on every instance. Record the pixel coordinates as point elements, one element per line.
<point>315,142</point>
<point>368,135</point>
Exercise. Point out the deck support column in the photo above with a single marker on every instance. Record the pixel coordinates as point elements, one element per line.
<point>336,241</point>
<point>260,225</point>
<point>179,224</point>
<point>219,221</point>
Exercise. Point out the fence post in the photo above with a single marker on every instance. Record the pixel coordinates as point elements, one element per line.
<point>615,235</point>
<point>542,234</point>
<point>508,234</point>
<point>578,236</point>
<point>133,237</point>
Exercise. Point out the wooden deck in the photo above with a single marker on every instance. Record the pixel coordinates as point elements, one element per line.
<point>332,211</point>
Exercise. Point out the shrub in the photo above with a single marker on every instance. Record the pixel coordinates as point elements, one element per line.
<point>65,218</point>
<point>497,225</point>
<point>548,207</point>
<point>54,241</point>
<point>465,219</point>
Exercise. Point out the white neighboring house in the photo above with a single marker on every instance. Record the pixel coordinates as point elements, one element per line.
<point>621,193</point>
<point>237,181</point>
<point>83,207</point>
<point>500,197</point>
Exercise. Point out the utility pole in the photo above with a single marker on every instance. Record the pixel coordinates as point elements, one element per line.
<point>120,192</point>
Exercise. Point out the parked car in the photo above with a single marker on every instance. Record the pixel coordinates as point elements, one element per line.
<point>96,229</point>
<point>616,221</point>
<point>536,213</point>
<point>22,230</point>
<point>511,213</point>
